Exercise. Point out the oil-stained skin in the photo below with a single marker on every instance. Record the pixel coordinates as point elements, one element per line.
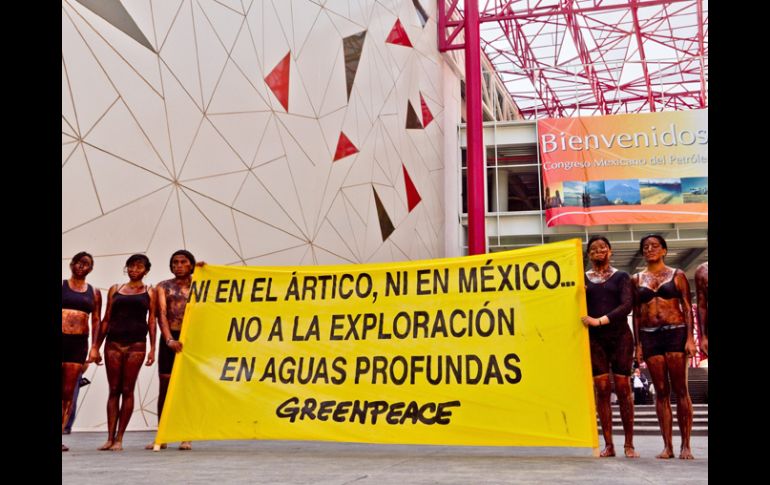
<point>655,313</point>
<point>172,300</point>
<point>660,311</point>
<point>176,299</point>
<point>702,291</point>
<point>124,360</point>
<point>600,254</point>
<point>75,322</point>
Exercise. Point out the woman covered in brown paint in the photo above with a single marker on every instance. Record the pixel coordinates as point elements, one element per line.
<point>172,300</point>
<point>78,300</point>
<point>609,297</point>
<point>129,316</point>
<point>664,325</point>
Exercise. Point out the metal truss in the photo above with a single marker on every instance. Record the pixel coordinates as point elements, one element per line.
<point>562,58</point>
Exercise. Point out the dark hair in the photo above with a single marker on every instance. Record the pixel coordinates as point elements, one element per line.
<point>656,236</point>
<point>139,257</point>
<point>595,238</point>
<point>79,255</point>
<point>187,254</point>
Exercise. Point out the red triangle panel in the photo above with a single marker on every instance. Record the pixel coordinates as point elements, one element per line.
<point>398,35</point>
<point>427,116</point>
<point>412,196</point>
<point>278,81</point>
<point>344,147</point>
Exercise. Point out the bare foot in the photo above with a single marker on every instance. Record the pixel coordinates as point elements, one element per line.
<point>64,448</point>
<point>117,446</point>
<point>185,445</point>
<point>106,446</point>
<point>630,451</point>
<point>666,453</point>
<point>686,454</point>
<point>151,446</point>
<point>609,450</point>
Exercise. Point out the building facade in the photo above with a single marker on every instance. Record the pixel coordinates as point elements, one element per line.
<point>265,132</point>
<point>286,132</point>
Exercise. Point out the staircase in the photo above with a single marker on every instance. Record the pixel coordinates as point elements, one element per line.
<point>646,421</point>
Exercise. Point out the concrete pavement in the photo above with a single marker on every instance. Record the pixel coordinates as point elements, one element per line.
<point>344,463</point>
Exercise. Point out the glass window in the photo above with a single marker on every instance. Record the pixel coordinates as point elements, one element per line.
<point>513,189</point>
<point>512,179</point>
<point>511,155</point>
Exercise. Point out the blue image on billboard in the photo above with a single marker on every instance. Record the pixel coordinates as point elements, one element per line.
<point>695,190</point>
<point>623,192</point>
<point>661,191</point>
<point>574,192</point>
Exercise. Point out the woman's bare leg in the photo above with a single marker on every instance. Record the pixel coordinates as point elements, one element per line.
<point>603,408</point>
<point>626,405</point>
<point>114,363</point>
<point>677,369</point>
<point>69,378</point>
<point>659,373</point>
<point>133,363</point>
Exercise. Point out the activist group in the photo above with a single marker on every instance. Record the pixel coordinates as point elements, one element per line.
<point>130,317</point>
<point>662,337</point>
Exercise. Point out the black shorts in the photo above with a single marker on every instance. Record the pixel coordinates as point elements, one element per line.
<point>166,355</point>
<point>74,348</point>
<point>663,340</point>
<point>615,350</point>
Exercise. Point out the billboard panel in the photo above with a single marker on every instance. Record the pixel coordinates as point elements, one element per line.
<point>625,169</point>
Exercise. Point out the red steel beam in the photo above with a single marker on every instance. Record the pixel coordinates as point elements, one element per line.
<point>702,100</point>
<point>532,13</point>
<point>585,57</point>
<point>522,48</point>
<point>445,21</point>
<point>673,98</point>
<point>474,131</point>
<point>642,57</point>
<point>502,11</point>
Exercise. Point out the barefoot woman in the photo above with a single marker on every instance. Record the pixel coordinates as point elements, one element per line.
<point>130,314</point>
<point>78,299</point>
<point>609,296</point>
<point>663,322</point>
<point>172,299</point>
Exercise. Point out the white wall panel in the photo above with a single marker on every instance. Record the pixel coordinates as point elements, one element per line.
<point>79,203</point>
<point>236,94</point>
<point>191,148</point>
<point>242,131</point>
<point>179,53</point>
<point>90,89</point>
<point>132,145</point>
<point>164,12</point>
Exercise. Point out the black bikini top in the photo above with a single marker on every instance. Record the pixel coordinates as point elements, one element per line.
<point>76,300</point>
<point>667,291</point>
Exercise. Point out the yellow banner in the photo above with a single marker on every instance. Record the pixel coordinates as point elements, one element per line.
<point>478,350</point>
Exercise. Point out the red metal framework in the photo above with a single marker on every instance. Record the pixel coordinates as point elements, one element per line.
<point>581,57</point>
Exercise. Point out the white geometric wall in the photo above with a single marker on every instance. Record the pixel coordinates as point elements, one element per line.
<point>182,129</point>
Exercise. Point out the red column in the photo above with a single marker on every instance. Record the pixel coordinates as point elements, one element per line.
<point>475,156</point>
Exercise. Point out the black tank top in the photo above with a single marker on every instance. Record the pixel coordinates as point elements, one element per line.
<point>128,317</point>
<point>75,300</point>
